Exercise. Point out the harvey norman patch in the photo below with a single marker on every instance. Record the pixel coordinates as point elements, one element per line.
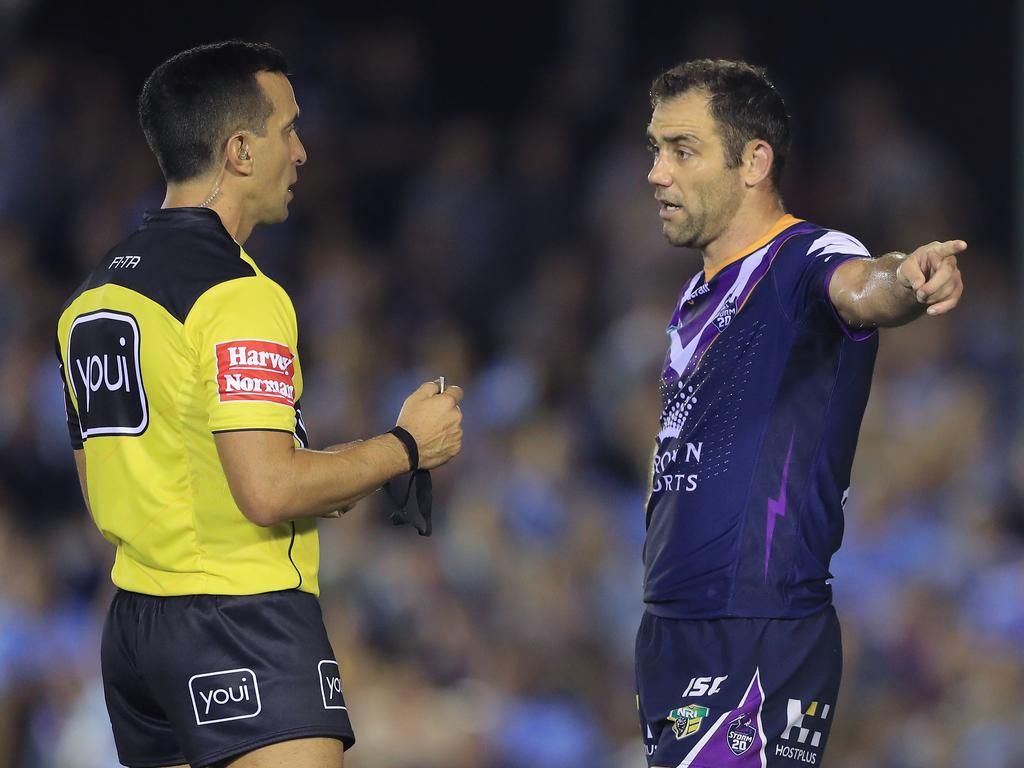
<point>251,370</point>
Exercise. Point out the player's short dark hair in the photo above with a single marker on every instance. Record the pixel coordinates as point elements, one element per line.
<point>197,98</point>
<point>743,101</point>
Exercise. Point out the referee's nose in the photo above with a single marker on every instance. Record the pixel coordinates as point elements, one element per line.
<point>298,152</point>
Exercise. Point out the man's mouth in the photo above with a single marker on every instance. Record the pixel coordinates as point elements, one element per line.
<point>668,209</point>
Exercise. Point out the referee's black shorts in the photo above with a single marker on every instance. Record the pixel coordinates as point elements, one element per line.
<point>200,679</point>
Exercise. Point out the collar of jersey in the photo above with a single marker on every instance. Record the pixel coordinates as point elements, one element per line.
<point>183,217</point>
<point>781,225</point>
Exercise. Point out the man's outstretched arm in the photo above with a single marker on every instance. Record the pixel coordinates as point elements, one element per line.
<point>897,288</point>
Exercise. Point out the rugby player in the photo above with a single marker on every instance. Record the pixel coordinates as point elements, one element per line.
<point>771,351</point>
<point>182,386</point>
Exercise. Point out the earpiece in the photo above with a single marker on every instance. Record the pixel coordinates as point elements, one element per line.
<point>244,154</point>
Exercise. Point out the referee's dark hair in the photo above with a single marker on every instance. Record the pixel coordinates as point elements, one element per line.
<point>743,101</point>
<point>197,98</point>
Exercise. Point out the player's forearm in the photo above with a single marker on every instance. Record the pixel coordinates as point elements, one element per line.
<point>867,294</point>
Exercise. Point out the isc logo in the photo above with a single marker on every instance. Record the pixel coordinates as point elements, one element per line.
<point>231,694</point>
<point>704,686</point>
<point>330,684</point>
<point>105,374</point>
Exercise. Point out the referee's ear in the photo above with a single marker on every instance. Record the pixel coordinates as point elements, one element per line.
<point>238,155</point>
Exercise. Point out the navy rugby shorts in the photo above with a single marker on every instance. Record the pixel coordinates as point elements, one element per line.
<point>200,679</point>
<point>737,692</point>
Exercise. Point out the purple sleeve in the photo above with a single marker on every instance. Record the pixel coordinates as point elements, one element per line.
<point>855,334</point>
<point>803,273</point>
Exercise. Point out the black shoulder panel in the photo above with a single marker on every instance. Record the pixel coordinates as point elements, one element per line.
<point>174,258</point>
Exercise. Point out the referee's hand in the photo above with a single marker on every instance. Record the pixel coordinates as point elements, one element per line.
<point>434,420</point>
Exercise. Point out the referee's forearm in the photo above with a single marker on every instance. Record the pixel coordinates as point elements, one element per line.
<point>324,481</point>
<point>272,481</point>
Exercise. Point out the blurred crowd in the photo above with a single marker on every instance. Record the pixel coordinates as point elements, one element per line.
<point>521,256</point>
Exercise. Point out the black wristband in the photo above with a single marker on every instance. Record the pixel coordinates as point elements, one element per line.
<point>410,446</point>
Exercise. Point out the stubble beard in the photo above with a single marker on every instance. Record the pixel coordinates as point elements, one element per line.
<point>688,234</point>
<point>718,205</point>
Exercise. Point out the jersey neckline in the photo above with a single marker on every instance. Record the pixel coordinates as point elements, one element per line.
<point>185,216</point>
<point>783,223</point>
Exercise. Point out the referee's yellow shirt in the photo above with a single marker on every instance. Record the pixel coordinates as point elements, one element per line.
<point>177,335</point>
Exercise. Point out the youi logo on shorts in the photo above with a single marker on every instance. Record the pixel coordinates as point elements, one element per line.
<point>330,684</point>
<point>231,694</point>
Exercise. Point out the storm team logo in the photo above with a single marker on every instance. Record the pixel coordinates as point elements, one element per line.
<point>740,735</point>
<point>725,314</point>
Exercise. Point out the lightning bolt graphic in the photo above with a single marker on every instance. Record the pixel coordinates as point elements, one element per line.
<point>777,506</point>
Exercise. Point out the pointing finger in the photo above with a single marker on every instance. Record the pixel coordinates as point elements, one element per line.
<point>951,247</point>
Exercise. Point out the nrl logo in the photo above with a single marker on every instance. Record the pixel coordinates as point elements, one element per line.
<point>687,720</point>
<point>726,314</point>
<point>740,735</point>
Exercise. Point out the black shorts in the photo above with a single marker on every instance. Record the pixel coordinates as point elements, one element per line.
<point>733,693</point>
<point>200,679</point>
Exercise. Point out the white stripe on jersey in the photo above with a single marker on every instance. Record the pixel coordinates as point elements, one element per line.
<point>680,357</point>
<point>838,242</point>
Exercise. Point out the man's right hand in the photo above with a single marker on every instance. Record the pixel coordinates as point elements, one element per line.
<point>434,420</point>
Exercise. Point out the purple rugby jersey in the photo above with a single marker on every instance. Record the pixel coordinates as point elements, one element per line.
<point>764,389</point>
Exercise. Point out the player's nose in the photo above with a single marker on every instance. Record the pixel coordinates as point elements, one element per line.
<point>659,175</point>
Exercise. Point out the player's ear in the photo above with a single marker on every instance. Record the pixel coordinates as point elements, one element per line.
<point>758,157</point>
<point>238,154</point>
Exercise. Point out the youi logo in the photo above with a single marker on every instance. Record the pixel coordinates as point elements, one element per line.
<point>106,374</point>
<point>330,684</point>
<point>231,694</point>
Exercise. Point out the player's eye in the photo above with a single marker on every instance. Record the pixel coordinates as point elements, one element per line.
<point>652,148</point>
<point>683,154</point>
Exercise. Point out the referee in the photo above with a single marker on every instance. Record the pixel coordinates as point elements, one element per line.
<point>182,386</point>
